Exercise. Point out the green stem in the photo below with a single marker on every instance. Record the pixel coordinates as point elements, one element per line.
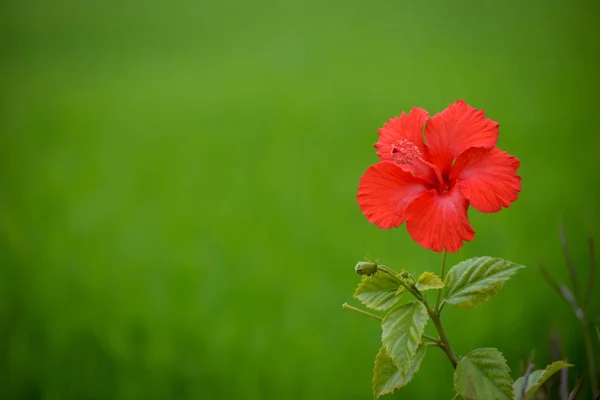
<point>433,339</point>
<point>387,270</point>
<point>439,293</point>
<point>346,306</point>
<point>444,343</point>
<point>395,275</point>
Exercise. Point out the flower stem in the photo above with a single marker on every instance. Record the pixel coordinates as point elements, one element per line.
<point>437,321</point>
<point>439,293</point>
<point>444,344</point>
<point>346,306</point>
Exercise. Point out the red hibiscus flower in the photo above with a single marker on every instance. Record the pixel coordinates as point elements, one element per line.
<point>430,184</point>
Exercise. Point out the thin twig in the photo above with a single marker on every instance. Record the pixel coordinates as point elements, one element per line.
<point>551,282</point>
<point>592,276</point>
<point>555,348</point>
<point>564,293</point>
<point>575,392</point>
<point>526,379</point>
<point>568,260</point>
<point>590,356</point>
<point>586,335</point>
<point>573,303</point>
<point>564,383</point>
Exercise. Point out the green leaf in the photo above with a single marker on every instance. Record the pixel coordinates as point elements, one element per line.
<point>483,374</point>
<point>476,280</point>
<point>402,328</point>
<point>386,376</point>
<point>537,379</point>
<point>427,281</point>
<point>400,290</point>
<point>377,291</point>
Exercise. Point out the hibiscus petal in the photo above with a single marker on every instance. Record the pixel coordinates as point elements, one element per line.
<point>487,178</point>
<point>439,221</point>
<point>384,192</point>
<point>456,129</point>
<point>405,127</point>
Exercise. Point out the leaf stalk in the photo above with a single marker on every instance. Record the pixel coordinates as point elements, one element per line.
<point>347,306</point>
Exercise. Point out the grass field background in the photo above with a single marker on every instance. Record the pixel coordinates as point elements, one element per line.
<point>177,188</point>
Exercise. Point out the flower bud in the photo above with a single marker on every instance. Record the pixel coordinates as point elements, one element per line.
<point>365,268</point>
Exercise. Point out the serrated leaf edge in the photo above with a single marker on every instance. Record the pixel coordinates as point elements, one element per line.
<point>432,276</point>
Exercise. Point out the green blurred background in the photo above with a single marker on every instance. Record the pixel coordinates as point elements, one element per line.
<point>177,187</point>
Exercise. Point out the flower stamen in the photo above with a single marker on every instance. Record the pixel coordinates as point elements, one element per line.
<point>406,152</point>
